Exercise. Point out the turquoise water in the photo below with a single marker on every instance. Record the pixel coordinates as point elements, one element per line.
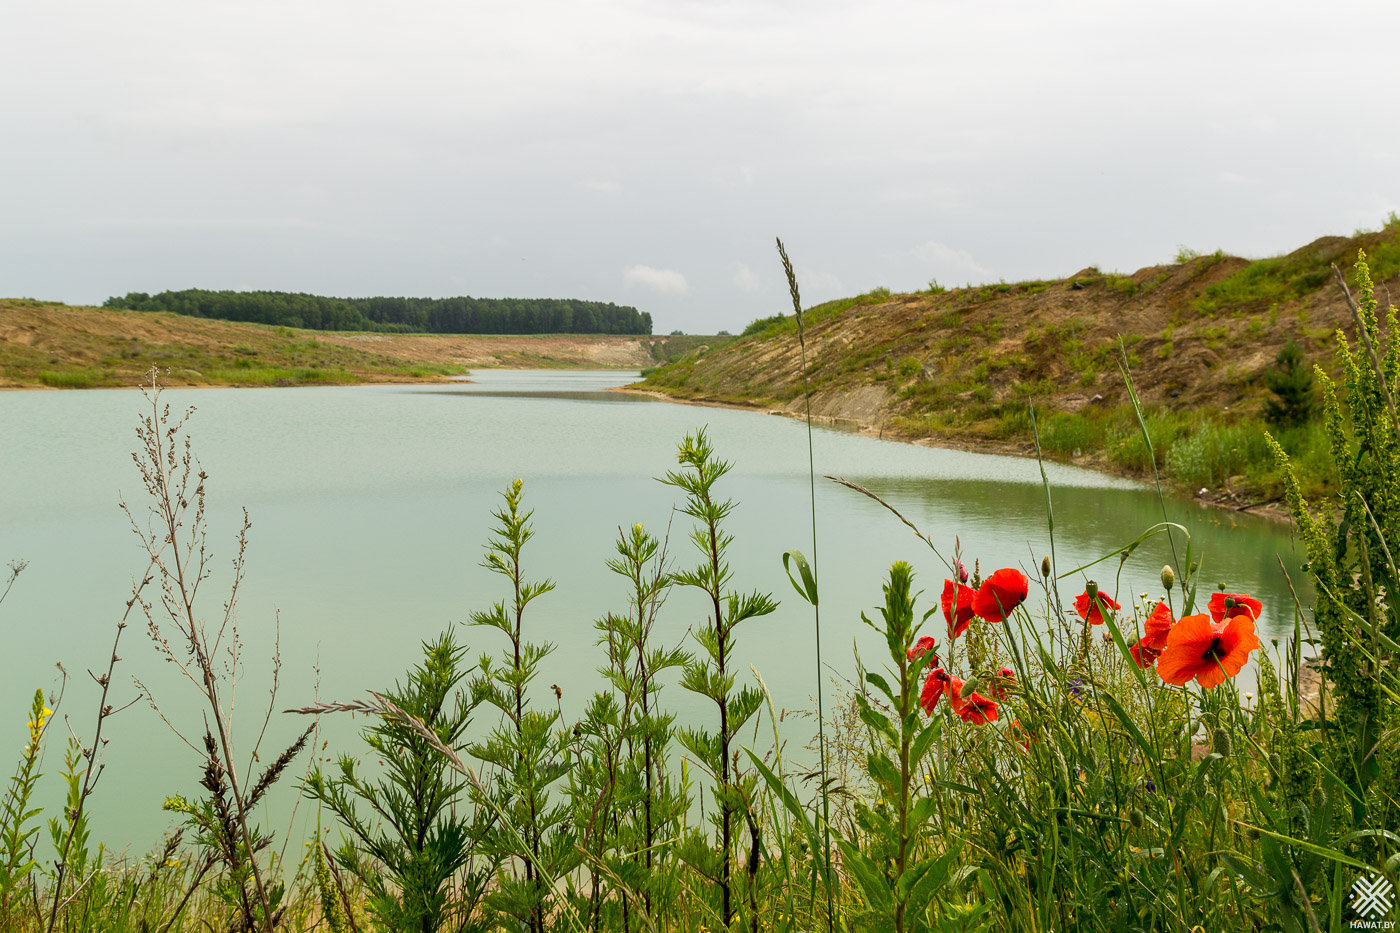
<point>370,506</point>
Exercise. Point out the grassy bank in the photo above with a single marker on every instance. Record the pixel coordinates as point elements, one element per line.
<point>46,344</point>
<point>1201,336</point>
<point>57,346</point>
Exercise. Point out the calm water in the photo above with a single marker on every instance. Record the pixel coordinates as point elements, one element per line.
<point>370,506</point>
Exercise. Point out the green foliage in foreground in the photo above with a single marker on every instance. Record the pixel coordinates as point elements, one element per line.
<point>1059,782</point>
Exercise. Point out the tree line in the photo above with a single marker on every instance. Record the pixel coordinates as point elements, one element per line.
<point>462,315</point>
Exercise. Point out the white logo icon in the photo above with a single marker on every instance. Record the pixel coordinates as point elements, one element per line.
<point>1372,896</point>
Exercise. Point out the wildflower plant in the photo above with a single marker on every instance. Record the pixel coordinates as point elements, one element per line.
<point>17,817</point>
<point>1351,557</point>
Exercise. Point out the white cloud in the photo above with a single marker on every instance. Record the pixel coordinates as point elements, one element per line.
<point>946,260</point>
<point>746,279</point>
<point>609,188</point>
<point>666,281</point>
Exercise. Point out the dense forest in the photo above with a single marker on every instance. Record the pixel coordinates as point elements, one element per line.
<point>399,315</point>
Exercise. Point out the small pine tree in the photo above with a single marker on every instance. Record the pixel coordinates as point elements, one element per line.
<point>1294,402</point>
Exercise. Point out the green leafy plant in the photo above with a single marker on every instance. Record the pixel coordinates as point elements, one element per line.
<point>1350,543</point>
<point>524,749</point>
<point>17,828</point>
<point>895,868</point>
<point>628,805</point>
<point>410,842</point>
<point>711,674</point>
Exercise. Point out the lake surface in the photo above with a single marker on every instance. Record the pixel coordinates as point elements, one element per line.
<point>370,506</point>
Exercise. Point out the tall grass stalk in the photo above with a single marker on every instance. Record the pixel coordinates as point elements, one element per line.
<point>810,591</point>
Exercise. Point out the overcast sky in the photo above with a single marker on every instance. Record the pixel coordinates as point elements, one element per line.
<point>647,153</point>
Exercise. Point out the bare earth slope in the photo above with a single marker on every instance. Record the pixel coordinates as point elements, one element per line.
<point>44,343</point>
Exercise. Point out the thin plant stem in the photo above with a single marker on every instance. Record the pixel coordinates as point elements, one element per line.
<point>816,609</point>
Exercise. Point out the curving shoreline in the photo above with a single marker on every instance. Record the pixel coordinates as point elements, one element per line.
<point>1219,501</point>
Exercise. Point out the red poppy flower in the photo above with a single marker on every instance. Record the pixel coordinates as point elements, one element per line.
<point>1143,653</point>
<point>1091,611</point>
<point>960,616</point>
<point>1002,592</point>
<point>922,647</point>
<point>935,684</point>
<point>1158,627</point>
<point>1208,651</point>
<point>978,709</point>
<point>1005,678</point>
<point>954,690</point>
<point>1229,604</point>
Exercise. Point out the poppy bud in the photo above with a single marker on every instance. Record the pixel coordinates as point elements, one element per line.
<point>1275,763</point>
<point>1252,833</point>
<point>1045,566</point>
<point>962,572</point>
<point>1220,743</point>
<point>1319,798</point>
<point>1091,589</point>
<point>969,688</point>
<point>1138,819</point>
<point>1168,577</point>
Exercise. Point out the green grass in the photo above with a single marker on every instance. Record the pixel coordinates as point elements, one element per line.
<point>75,379</point>
<point>280,376</point>
<point>428,370</point>
<point>1300,273</point>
